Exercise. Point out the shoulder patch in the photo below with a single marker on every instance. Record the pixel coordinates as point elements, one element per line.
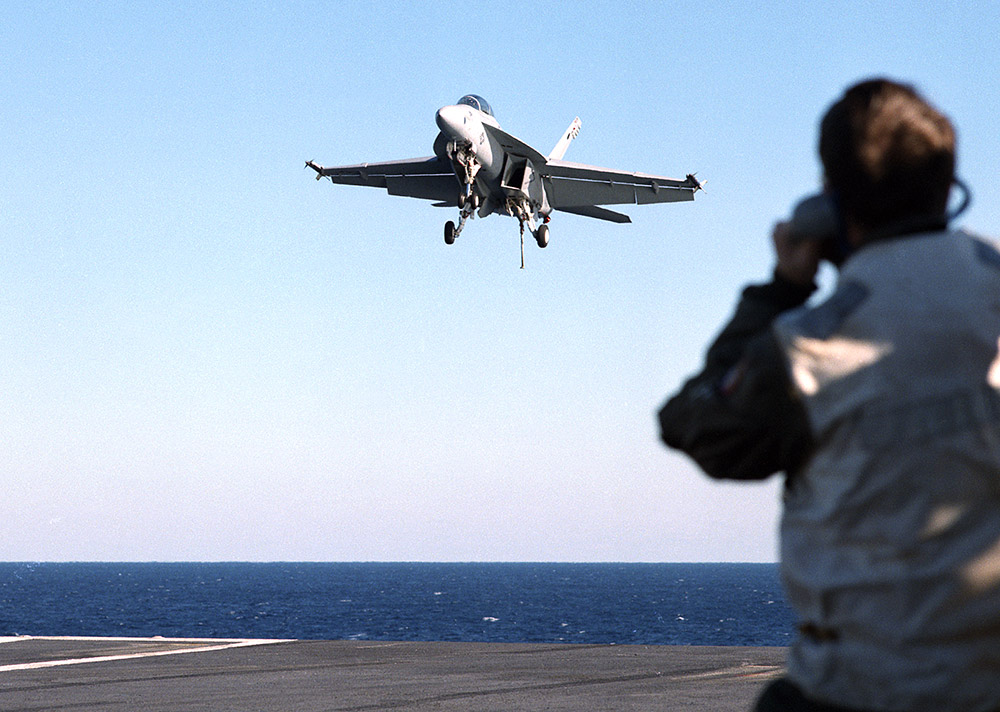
<point>987,253</point>
<point>823,320</point>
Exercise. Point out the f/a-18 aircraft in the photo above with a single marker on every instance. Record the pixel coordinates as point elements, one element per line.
<point>482,170</point>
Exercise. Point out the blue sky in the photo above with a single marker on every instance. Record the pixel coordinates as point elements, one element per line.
<point>210,356</point>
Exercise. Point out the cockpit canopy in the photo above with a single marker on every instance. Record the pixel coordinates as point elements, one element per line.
<point>476,102</point>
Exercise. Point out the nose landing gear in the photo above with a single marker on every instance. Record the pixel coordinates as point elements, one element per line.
<point>466,166</point>
<point>468,207</point>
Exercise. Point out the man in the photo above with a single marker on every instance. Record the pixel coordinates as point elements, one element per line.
<point>882,406</point>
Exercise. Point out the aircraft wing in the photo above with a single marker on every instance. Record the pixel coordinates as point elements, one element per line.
<point>425,178</point>
<point>576,188</point>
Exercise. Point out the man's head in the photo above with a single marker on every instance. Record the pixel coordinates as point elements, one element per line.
<point>888,155</point>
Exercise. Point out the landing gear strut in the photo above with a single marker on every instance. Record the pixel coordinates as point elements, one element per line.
<point>451,230</point>
<point>466,168</point>
<point>520,209</point>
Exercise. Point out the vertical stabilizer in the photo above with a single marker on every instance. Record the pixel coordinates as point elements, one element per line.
<point>571,133</point>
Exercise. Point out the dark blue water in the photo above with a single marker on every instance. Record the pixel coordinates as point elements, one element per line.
<point>675,604</point>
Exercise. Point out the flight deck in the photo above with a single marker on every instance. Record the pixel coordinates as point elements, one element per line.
<point>118,674</point>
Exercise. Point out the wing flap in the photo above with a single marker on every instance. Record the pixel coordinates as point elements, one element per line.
<point>439,188</point>
<point>644,195</point>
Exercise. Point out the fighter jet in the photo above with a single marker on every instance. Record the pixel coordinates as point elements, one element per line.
<point>481,169</point>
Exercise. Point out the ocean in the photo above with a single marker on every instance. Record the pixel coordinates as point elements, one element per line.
<point>657,604</point>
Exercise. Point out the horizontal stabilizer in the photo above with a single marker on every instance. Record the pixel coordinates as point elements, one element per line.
<point>592,211</point>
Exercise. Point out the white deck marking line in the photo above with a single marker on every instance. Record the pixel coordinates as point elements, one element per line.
<point>747,670</point>
<point>128,656</point>
<point>138,639</point>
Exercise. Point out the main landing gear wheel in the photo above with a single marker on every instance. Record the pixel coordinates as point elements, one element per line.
<point>542,235</point>
<point>449,233</point>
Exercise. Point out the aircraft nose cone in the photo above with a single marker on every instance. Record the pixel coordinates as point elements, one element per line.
<point>451,120</point>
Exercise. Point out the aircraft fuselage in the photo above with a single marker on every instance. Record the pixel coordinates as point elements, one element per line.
<point>463,125</point>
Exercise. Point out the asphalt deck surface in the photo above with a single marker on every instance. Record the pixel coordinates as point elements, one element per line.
<point>112,674</point>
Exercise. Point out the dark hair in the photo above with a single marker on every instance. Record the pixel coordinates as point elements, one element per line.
<point>887,153</point>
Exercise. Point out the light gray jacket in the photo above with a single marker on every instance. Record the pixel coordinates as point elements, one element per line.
<point>882,404</point>
<point>891,533</point>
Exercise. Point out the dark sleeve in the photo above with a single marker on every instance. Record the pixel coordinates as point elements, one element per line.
<point>738,418</point>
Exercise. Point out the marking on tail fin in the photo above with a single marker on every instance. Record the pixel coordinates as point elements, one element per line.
<point>571,133</point>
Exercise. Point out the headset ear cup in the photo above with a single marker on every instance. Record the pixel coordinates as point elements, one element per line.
<point>966,199</point>
<point>814,218</point>
<point>818,217</point>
